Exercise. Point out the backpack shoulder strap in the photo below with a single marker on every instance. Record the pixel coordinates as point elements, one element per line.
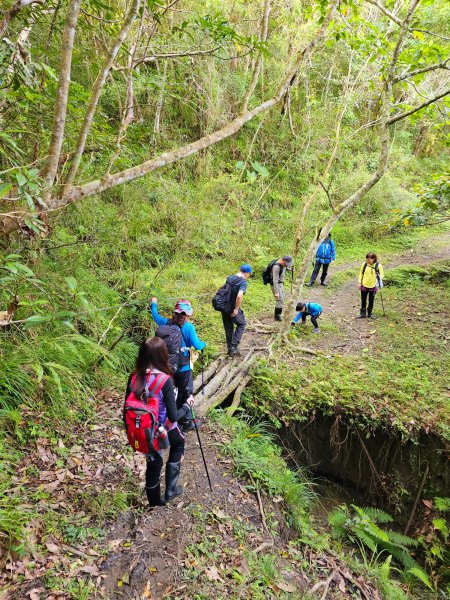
<point>158,383</point>
<point>364,270</point>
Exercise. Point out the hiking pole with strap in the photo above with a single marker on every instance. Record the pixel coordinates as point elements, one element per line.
<point>195,422</point>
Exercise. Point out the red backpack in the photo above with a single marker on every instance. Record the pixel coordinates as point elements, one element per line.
<point>140,415</point>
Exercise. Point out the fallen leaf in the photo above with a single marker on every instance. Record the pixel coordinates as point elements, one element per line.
<point>219,513</point>
<point>52,547</point>
<point>153,569</point>
<point>286,587</point>
<point>126,578</point>
<point>213,574</point>
<point>428,503</point>
<point>91,570</point>
<point>35,593</point>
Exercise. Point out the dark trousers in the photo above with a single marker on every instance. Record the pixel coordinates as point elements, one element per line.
<point>155,461</point>
<point>184,383</point>
<point>316,271</point>
<point>364,294</point>
<point>313,320</point>
<point>233,335</point>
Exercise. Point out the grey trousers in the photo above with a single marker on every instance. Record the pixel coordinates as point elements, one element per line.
<point>280,300</point>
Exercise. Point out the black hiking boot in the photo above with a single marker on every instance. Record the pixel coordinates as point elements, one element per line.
<point>172,474</point>
<point>370,315</point>
<point>233,352</point>
<point>362,313</point>
<point>154,496</point>
<point>277,315</point>
<point>324,283</point>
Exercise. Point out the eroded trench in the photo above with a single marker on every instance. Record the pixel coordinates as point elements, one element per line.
<point>380,468</point>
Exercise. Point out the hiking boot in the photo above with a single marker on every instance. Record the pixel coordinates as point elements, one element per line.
<point>172,475</point>
<point>277,315</point>
<point>324,283</point>
<point>233,352</point>
<point>362,313</point>
<point>316,330</point>
<point>154,496</point>
<point>371,316</point>
<point>309,284</point>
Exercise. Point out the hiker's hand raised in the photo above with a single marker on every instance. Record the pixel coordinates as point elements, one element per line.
<point>155,300</point>
<point>190,400</point>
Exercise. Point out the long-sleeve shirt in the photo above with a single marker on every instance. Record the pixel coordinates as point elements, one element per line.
<point>190,337</point>
<point>370,276</point>
<point>278,275</point>
<point>312,310</point>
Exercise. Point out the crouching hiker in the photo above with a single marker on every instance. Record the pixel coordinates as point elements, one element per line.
<point>151,419</point>
<point>179,335</point>
<point>370,281</point>
<point>308,309</point>
<point>228,300</point>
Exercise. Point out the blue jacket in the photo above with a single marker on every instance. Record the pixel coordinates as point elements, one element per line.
<point>326,252</point>
<point>312,310</point>
<point>190,337</point>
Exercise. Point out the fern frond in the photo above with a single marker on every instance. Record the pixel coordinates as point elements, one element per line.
<point>377,515</point>
<point>400,539</point>
<point>365,539</point>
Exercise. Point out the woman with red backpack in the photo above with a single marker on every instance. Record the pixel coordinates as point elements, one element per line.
<point>152,377</point>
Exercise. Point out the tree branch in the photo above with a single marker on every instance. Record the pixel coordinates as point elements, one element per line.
<point>96,91</point>
<point>440,65</point>
<point>13,11</point>
<point>413,110</point>
<point>155,57</point>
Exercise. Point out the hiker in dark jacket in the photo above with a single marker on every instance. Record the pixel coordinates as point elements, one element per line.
<point>308,309</point>
<point>370,280</point>
<point>277,283</point>
<point>325,254</point>
<point>234,323</point>
<point>153,362</point>
<point>183,376</point>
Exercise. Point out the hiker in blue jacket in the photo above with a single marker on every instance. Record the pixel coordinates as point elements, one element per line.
<point>308,309</point>
<point>183,377</point>
<point>326,253</point>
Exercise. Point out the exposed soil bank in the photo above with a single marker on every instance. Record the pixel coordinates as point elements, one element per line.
<point>387,469</point>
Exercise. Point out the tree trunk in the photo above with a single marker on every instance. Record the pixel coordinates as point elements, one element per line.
<point>59,118</point>
<point>96,91</point>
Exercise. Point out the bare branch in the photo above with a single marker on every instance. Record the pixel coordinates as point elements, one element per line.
<point>413,110</point>
<point>96,91</point>
<point>440,65</point>
<point>155,57</point>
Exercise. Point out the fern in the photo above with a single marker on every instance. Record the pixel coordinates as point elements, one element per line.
<point>401,540</point>
<point>377,516</point>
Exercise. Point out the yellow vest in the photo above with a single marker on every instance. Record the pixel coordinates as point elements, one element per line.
<point>370,276</point>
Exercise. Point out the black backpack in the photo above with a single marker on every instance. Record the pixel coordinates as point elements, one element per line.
<point>267,273</point>
<point>173,338</point>
<point>222,300</point>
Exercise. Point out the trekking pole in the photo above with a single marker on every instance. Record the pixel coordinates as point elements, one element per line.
<point>292,279</point>
<point>201,449</point>
<point>195,423</point>
<point>382,303</point>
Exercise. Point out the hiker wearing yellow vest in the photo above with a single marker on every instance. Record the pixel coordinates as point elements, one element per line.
<point>370,281</point>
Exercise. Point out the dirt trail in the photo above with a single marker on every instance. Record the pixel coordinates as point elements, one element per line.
<point>341,306</point>
<point>144,553</point>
